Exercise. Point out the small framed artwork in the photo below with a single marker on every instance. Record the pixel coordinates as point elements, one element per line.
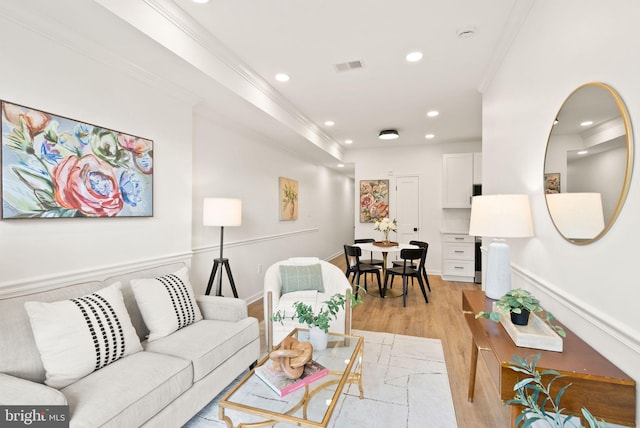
<point>54,167</point>
<point>552,182</point>
<point>374,200</point>
<point>288,199</point>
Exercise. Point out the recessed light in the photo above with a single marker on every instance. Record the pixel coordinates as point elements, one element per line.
<point>429,136</point>
<point>200,1</point>
<point>348,141</point>
<point>586,123</point>
<point>388,134</point>
<point>340,165</point>
<point>329,122</point>
<point>433,113</point>
<point>282,77</point>
<point>414,56</point>
<point>583,152</point>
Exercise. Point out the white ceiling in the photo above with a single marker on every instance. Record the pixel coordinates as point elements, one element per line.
<point>223,56</point>
<point>305,39</point>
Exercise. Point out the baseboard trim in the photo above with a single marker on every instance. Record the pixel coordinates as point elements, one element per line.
<point>630,338</point>
<point>38,284</point>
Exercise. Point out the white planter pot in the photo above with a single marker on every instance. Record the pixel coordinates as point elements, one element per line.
<point>318,338</point>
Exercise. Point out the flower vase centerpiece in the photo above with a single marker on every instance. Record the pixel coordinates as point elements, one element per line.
<point>385,226</point>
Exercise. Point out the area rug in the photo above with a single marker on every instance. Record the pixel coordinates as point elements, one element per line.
<point>405,385</point>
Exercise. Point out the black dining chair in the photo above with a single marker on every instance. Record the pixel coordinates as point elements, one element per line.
<point>409,257</point>
<point>424,245</point>
<point>370,260</point>
<point>357,268</point>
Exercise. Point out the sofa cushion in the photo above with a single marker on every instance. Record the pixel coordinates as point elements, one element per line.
<point>207,343</point>
<point>167,303</point>
<point>78,336</point>
<point>128,392</point>
<point>298,278</point>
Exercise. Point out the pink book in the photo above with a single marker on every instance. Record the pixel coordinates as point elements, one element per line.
<point>282,385</point>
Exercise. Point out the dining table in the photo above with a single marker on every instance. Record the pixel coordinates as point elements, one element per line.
<point>386,248</point>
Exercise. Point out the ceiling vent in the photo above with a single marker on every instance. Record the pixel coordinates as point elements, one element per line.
<point>349,65</point>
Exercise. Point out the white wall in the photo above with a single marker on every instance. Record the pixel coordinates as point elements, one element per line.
<point>39,72</point>
<point>229,161</point>
<point>423,161</point>
<point>562,45</point>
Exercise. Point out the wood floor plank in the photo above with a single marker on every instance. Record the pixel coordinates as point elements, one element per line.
<point>442,319</point>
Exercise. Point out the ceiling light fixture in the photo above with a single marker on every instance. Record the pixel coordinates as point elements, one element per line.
<point>429,136</point>
<point>329,122</point>
<point>583,152</point>
<point>282,77</point>
<point>348,141</point>
<point>388,134</point>
<point>200,1</point>
<point>414,56</point>
<point>433,113</point>
<point>340,165</point>
<point>586,123</point>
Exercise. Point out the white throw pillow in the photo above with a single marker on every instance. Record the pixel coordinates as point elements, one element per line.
<point>166,303</point>
<point>78,336</point>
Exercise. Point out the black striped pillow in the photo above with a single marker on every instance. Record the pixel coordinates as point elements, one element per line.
<point>166,303</point>
<point>78,336</point>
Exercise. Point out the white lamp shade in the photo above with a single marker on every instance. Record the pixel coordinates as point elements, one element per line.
<point>222,212</point>
<point>576,215</point>
<point>501,216</point>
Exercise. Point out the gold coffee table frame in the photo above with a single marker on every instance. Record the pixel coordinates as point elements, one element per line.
<point>352,373</point>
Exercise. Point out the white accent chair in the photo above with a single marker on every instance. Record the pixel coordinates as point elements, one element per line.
<point>333,280</point>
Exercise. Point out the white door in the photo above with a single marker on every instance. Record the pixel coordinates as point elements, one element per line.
<point>408,208</point>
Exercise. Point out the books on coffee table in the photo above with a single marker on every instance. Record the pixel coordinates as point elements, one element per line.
<point>283,385</point>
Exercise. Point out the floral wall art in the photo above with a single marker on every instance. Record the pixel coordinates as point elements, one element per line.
<point>374,200</point>
<point>53,166</point>
<point>288,199</point>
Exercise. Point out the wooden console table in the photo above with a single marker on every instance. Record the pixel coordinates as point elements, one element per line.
<point>597,384</point>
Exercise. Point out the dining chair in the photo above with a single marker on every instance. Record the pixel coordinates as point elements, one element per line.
<point>357,268</point>
<point>424,245</point>
<point>409,257</point>
<point>371,260</point>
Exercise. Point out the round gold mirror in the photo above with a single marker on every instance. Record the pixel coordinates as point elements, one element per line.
<point>588,163</point>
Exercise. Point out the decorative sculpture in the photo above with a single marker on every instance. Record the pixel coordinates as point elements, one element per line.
<point>291,357</point>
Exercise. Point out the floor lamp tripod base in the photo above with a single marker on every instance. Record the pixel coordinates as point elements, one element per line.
<point>216,265</point>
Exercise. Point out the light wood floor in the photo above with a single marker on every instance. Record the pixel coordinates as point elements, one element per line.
<point>441,318</point>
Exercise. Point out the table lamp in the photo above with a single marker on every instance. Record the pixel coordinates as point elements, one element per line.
<point>500,216</point>
<point>577,216</point>
<point>221,212</point>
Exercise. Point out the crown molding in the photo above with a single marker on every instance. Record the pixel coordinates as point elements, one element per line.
<point>164,21</point>
<point>517,17</point>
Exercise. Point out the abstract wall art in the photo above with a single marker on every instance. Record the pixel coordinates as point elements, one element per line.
<point>53,167</point>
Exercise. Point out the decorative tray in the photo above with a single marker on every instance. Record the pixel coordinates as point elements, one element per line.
<point>385,244</point>
<point>537,334</point>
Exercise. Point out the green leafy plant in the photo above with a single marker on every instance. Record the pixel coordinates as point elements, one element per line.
<point>328,311</point>
<point>536,400</point>
<point>516,301</point>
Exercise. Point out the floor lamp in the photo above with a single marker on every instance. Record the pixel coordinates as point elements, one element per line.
<point>500,216</point>
<point>221,212</point>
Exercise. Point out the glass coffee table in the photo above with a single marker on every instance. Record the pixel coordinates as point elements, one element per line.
<point>311,406</point>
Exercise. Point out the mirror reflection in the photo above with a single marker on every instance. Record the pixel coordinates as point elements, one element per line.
<point>588,163</point>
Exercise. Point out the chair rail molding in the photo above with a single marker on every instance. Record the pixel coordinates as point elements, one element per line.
<point>624,335</point>
<point>243,242</point>
<point>99,273</point>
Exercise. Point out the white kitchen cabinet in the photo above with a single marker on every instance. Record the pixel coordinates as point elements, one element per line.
<point>457,180</point>
<point>458,257</point>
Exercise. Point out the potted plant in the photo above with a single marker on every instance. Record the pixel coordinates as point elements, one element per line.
<point>318,323</point>
<point>519,303</point>
<point>536,400</point>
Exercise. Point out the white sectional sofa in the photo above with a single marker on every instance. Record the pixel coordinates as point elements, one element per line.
<point>162,385</point>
